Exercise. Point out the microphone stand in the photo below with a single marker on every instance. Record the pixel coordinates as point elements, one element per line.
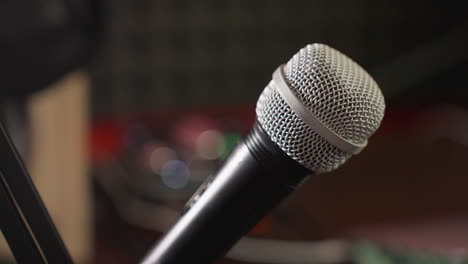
<point>24,220</point>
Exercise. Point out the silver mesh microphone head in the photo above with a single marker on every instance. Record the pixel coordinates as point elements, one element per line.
<point>320,108</point>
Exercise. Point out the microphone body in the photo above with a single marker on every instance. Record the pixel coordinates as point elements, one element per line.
<point>256,176</point>
<point>318,110</point>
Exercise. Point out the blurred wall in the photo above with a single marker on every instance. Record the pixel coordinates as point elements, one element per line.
<point>58,161</point>
<point>167,53</point>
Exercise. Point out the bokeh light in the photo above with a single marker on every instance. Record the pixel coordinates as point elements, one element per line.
<point>159,157</point>
<point>210,144</point>
<point>175,174</point>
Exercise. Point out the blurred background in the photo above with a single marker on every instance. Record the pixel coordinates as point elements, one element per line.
<point>121,109</point>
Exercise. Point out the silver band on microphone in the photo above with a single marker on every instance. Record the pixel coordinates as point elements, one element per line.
<point>298,107</point>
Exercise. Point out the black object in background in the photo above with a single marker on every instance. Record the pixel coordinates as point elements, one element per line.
<point>42,40</point>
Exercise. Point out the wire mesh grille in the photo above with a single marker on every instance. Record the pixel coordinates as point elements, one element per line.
<point>337,91</point>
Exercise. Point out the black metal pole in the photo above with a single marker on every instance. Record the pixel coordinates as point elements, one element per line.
<point>29,205</point>
<point>16,231</point>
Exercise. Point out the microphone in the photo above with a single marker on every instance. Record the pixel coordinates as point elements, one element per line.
<point>317,111</point>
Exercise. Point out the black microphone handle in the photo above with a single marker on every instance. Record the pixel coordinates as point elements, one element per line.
<point>255,177</point>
